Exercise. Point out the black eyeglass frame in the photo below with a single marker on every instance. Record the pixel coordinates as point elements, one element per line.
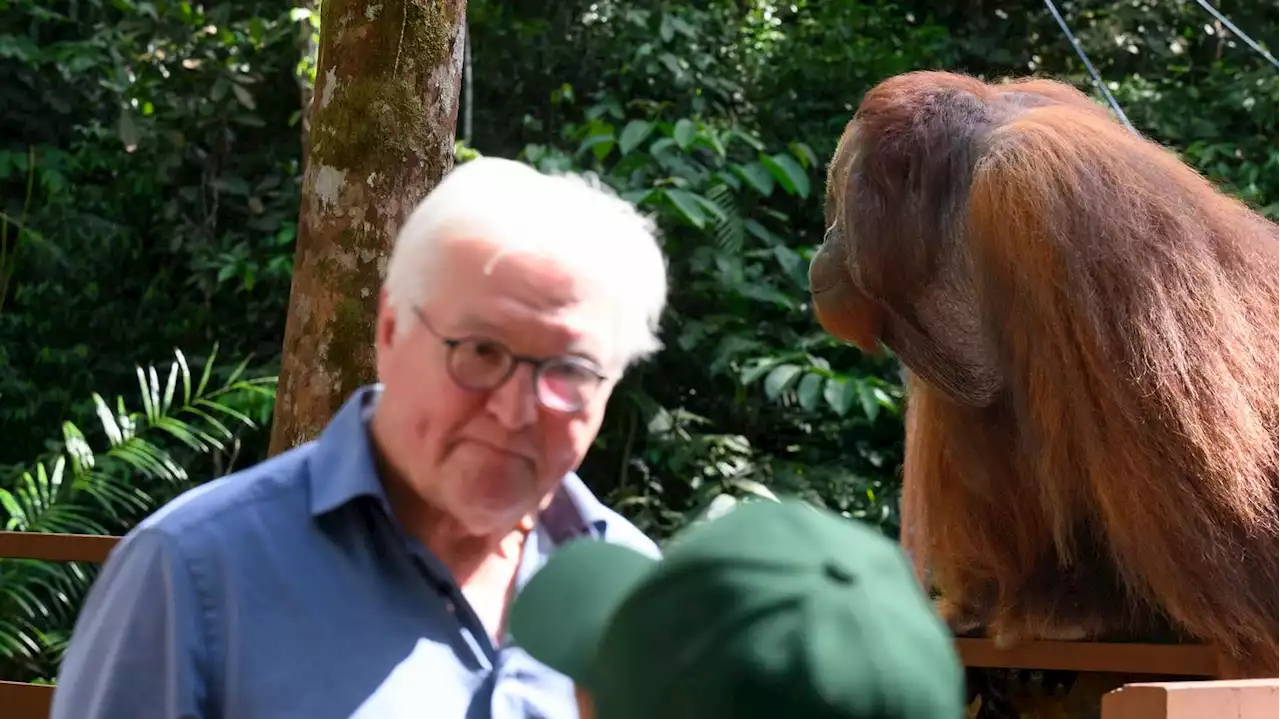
<point>539,364</point>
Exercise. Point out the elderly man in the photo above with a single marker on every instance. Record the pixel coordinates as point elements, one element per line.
<point>368,573</point>
<point>774,610</point>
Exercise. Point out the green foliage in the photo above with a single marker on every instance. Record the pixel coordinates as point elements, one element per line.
<point>166,156</point>
<point>82,490</point>
<point>17,230</point>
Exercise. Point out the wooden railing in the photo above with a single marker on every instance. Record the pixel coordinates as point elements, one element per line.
<point>1137,701</point>
<point>32,701</point>
<point>1172,660</point>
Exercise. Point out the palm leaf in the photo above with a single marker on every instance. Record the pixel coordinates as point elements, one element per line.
<point>83,490</point>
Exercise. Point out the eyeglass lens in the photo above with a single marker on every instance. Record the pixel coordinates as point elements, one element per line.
<point>484,364</point>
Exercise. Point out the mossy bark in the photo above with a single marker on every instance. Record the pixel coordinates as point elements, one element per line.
<point>383,118</point>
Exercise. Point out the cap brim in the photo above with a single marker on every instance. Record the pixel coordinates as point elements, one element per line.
<point>561,613</point>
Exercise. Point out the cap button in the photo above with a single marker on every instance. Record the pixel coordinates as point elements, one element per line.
<point>837,573</point>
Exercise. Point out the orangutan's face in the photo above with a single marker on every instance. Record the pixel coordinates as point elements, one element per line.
<point>926,313</point>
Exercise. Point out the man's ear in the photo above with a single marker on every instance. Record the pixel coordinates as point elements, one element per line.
<point>385,328</point>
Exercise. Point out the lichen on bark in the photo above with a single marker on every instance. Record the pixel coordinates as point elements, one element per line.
<point>368,117</point>
<point>382,126</point>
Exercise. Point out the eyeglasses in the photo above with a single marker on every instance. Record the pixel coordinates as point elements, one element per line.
<point>563,384</point>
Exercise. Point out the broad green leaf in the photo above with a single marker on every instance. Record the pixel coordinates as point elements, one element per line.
<point>608,107</point>
<point>809,391</point>
<point>672,63</point>
<point>638,197</point>
<point>767,293</point>
<point>870,407</point>
<point>599,145</point>
<point>779,380</point>
<point>635,133</point>
<point>787,258</point>
<point>244,96</point>
<point>751,140</point>
<point>788,172</point>
<point>807,157</point>
<point>689,206</point>
<point>756,370</point>
<point>728,179</point>
<point>682,27</point>
<point>760,231</point>
<point>684,132</point>
<point>664,145</point>
<point>757,176</point>
<point>710,140</point>
<point>840,394</point>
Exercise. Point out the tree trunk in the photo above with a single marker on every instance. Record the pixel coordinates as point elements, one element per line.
<point>383,118</point>
<point>468,80</point>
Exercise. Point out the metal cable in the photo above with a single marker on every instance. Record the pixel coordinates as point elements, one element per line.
<point>1097,80</point>
<point>1238,32</point>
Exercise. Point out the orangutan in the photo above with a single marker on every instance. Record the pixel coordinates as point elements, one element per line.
<point>1089,329</point>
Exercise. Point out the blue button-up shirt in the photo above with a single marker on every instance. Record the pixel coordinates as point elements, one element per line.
<point>289,590</point>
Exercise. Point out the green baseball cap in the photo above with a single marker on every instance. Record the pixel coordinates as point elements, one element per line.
<point>775,609</point>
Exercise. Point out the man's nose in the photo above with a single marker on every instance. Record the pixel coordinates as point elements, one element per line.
<point>514,403</point>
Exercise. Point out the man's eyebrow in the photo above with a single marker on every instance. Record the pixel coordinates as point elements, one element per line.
<point>472,324</point>
<point>475,326</point>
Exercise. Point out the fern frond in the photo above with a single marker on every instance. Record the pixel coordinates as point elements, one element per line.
<point>729,231</point>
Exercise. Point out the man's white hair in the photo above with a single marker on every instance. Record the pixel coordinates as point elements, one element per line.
<point>572,221</point>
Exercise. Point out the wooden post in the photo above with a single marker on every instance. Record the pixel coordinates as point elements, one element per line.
<point>1240,699</point>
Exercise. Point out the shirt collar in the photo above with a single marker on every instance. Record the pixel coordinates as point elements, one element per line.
<point>343,469</point>
<point>342,466</point>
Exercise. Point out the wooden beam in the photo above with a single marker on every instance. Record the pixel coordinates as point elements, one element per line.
<point>1243,699</point>
<point>56,547</point>
<point>26,701</point>
<point>1115,658</point>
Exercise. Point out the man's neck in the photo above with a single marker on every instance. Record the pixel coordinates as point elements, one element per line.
<point>463,553</point>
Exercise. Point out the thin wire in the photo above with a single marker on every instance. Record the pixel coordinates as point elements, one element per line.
<point>1097,80</point>
<point>1238,33</point>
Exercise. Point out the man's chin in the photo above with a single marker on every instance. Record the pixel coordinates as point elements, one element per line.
<point>490,524</point>
<point>498,511</point>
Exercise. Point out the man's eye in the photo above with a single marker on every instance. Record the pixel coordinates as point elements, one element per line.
<point>487,350</point>
<point>569,372</point>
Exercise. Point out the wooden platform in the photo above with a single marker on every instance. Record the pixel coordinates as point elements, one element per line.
<point>1111,658</point>
<point>25,701</point>
<point>56,547</point>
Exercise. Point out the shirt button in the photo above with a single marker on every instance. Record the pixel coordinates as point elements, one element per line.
<point>448,606</point>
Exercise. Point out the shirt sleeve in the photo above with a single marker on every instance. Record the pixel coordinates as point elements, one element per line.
<point>137,646</point>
